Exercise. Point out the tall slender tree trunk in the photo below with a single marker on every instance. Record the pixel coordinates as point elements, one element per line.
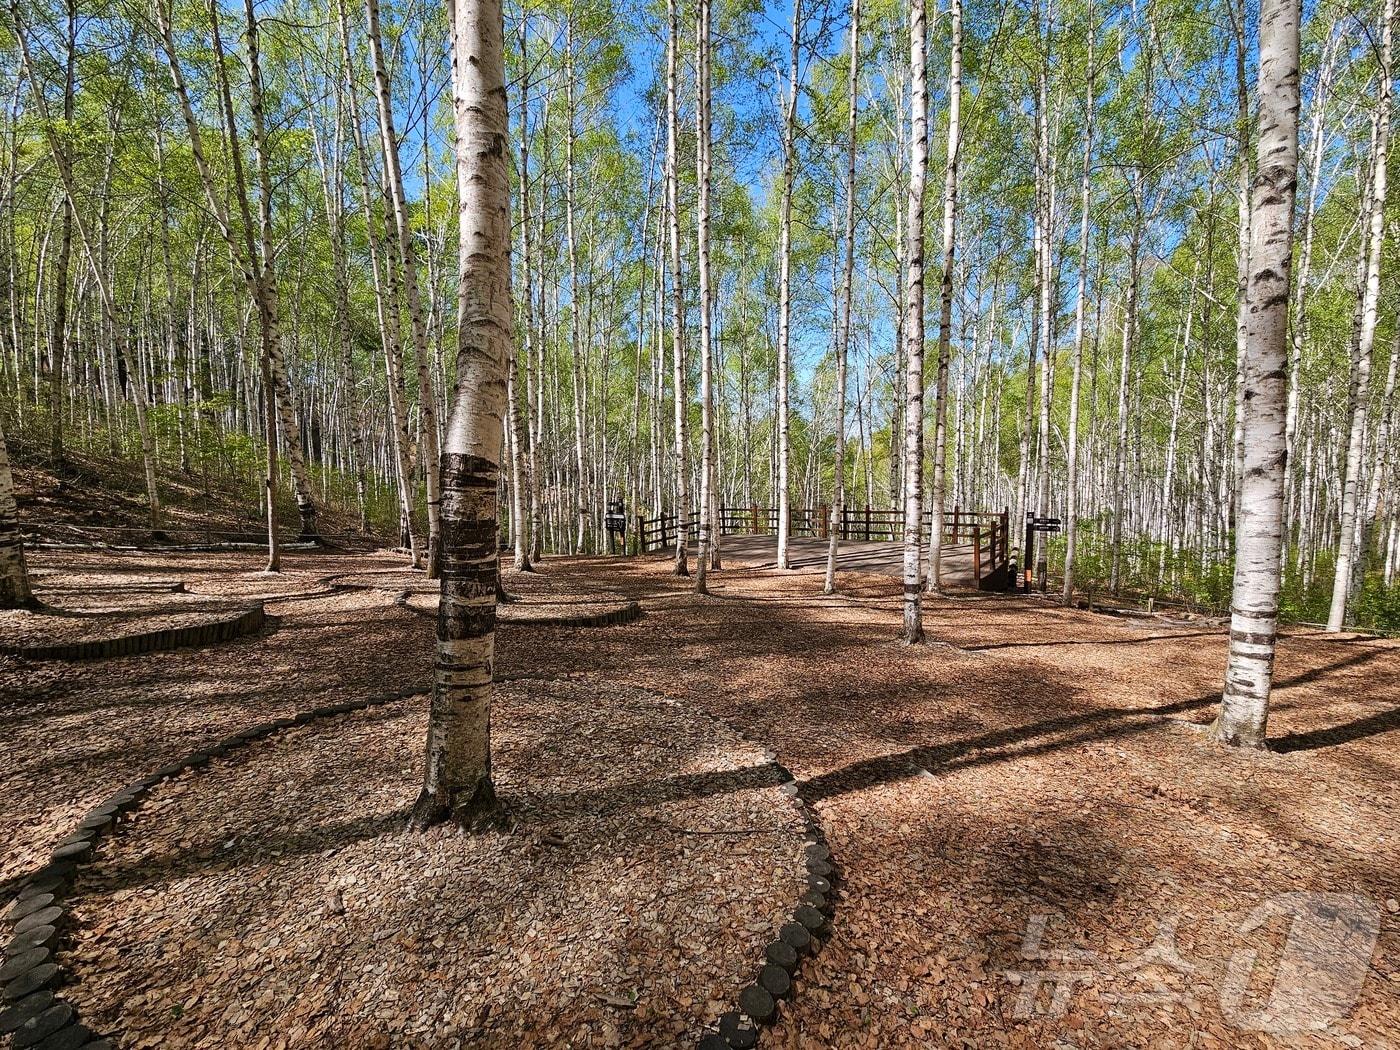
<point>408,256</point>
<point>1045,267</point>
<point>945,311</point>
<point>457,773</point>
<point>1076,369</point>
<point>843,338</point>
<point>386,304</point>
<point>702,244</point>
<point>785,292</point>
<point>914,326</point>
<point>58,338</point>
<point>1244,707</point>
<point>576,344</point>
<point>525,510</point>
<point>267,281</point>
<point>1350,552</point>
<point>681,402</point>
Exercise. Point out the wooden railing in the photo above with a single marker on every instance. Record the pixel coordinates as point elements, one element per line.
<point>659,533</point>
<point>986,532</point>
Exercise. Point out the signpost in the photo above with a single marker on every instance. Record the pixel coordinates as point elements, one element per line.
<point>616,523</point>
<point>1034,524</point>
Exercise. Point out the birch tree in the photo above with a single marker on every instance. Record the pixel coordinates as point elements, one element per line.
<point>408,257</point>
<point>945,310</point>
<point>785,291</point>
<point>677,292</point>
<point>702,246</point>
<point>1350,549</point>
<point>1077,365</point>
<point>843,338</point>
<point>457,771</point>
<point>1244,706</point>
<point>914,325</point>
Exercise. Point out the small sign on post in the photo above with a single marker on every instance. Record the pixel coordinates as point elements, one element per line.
<point>615,521</point>
<point>1036,565</point>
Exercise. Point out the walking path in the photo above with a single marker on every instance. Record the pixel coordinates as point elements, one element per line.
<point>873,556</point>
<point>1036,843</point>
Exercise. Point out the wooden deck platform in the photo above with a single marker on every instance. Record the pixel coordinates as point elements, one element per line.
<point>876,556</point>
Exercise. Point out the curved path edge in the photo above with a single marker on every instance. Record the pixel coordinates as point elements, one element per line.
<point>248,621</point>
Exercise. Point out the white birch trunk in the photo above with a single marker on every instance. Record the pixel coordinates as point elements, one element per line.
<point>914,326</point>
<point>427,397</point>
<point>702,245</point>
<point>945,311</point>
<point>1350,552</point>
<point>457,774</point>
<point>843,338</point>
<point>1244,706</point>
<point>1077,368</point>
<point>785,292</point>
<point>680,402</point>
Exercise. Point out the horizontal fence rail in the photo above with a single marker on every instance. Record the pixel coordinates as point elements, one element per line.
<point>987,533</point>
<point>659,533</point>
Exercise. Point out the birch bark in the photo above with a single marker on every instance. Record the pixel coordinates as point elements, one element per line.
<point>843,338</point>
<point>1259,538</point>
<point>914,325</point>
<point>1350,551</point>
<point>457,773</point>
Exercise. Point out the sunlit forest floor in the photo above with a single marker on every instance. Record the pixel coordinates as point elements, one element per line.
<point>1037,844</point>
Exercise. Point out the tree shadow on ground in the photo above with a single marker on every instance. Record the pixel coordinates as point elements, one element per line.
<point>1331,736</point>
<point>1055,644</point>
<point>1081,728</point>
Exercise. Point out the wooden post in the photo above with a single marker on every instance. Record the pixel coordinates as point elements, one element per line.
<point>825,521</point>
<point>753,518</point>
<point>976,554</point>
<point>867,522</point>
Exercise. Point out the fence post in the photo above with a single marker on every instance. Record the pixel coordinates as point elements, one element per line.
<point>825,521</point>
<point>753,518</point>
<point>977,554</point>
<point>867,522</point>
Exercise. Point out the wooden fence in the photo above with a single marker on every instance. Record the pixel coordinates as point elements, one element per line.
<point>986,532</point>
<point>659,533</point>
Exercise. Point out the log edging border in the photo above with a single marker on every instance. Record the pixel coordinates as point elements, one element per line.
<point>32,1013</point>
<point>808,926</point>
<point>628,612</point>
<point>248,621</point>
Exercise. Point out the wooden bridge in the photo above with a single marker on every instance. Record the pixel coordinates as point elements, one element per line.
<point>976,544</point>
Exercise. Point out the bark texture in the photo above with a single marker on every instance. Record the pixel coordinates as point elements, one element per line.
<point>457,774</point>
<point>1244,709</point>
<point>914,326</point>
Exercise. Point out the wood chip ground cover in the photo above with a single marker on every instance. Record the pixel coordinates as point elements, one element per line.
<point>279,895</point>
<point>1039,847</point>
<point>1037,765</point>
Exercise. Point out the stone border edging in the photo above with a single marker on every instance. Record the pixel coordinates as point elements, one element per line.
<point>812,914</point>
<point>628,612</point>
<point>801,936</point>
<point>29,1009</point>
<point>249,621</point>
